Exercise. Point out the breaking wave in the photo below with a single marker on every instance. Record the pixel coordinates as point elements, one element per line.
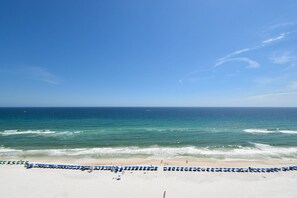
<point>36,132</point>
<point>270,131</point>
<point>256,151</point>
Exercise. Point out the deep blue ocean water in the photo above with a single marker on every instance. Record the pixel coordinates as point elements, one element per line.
<point>221,133</point>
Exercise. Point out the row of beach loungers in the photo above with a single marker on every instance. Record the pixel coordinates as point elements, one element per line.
<point>109,168</point>
<point>250,169</point>
<point>19,162</point>
<point>28,165</point>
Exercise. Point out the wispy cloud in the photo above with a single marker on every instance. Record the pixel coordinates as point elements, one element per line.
<point>281,25</point>
<point>41,74</point>
<point>237,56</point>
<point>250,63</point>
<point>293,85</point>
<point>273,94</point>
<point>33,73</point>
<point>265,80</point>
<point>241,51</point>
<point>262,44</point>
<point>198,75</point>
<point>273,39</point>
<point>283,58</point>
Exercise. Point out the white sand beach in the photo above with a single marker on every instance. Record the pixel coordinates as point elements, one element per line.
<point>16,181</point>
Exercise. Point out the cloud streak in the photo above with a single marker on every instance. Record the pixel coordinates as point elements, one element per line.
<point>32,73</point>
<point>251,64</point>
<point>273,94</point>
<point>264,43</point>
<point>237,56</point>
<point>42,74</point>
<point>273,39</point>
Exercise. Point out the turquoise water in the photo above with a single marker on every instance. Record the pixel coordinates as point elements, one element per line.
<point>221,133</point>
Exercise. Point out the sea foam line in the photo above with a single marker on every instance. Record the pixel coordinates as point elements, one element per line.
<point>37,132</point>
<point>258,151</point>
<point>265,131</point>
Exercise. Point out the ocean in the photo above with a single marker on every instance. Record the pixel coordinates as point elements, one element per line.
<point>215,133</point>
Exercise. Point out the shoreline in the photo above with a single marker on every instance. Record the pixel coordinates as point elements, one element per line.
<point>158,162</point>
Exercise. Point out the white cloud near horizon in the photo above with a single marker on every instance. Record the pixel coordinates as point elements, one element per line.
<point>293,85</point>
<point>273,94</point>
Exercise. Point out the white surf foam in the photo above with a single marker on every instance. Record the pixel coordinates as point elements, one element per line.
<point>263,131</point>
<point>258,151</point>
<point>288,131</point>
<point>36,132</point>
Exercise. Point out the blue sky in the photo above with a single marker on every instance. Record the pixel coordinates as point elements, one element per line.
<point>148,53</point>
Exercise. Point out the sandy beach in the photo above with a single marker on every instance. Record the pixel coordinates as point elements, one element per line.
<point>16,181</point>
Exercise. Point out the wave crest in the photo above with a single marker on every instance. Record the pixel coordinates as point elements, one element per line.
<point>36,132</point>
<point>257,151</point>
<point>264,131</point>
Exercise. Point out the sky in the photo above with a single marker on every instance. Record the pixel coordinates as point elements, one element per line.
<point>148,53</point>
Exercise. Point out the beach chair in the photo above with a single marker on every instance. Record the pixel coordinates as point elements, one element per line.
<point>164,168</point>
